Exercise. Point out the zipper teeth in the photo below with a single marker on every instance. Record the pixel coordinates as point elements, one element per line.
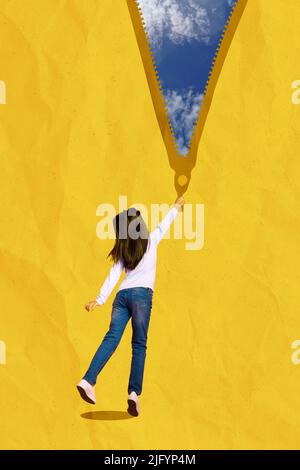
<point>157,75</point>
<point>212,67</point>
<point>207,81</point>
<point>219,45</point>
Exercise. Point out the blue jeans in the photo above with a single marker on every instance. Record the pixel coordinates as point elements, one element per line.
<point>134,303</point>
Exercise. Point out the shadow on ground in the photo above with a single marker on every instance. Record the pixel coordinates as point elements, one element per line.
<point>106,415</point>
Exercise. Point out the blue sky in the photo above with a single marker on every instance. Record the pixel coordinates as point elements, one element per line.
<point>184,36</point>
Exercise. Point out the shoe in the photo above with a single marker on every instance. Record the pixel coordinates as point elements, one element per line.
<point>133,404</point>
<point>86,391</point>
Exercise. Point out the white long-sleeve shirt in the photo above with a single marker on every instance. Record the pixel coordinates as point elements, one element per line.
<point>143,275</point>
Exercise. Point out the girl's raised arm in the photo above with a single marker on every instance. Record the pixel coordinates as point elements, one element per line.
<point>158,233</point>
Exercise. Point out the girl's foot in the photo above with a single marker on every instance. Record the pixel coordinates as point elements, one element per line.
<point>133,404</point>
<point>86,391</point>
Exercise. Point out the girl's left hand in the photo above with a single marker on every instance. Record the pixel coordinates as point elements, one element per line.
<point>91,305</point>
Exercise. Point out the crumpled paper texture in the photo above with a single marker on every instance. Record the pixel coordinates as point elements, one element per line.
<point>79,129</point>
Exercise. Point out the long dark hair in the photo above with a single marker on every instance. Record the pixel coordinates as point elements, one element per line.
<point>131,238</point>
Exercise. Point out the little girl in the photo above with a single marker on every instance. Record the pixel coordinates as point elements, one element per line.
<point>135,251</point>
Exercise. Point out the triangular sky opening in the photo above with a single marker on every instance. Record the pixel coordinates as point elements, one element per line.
<point>184,37</point>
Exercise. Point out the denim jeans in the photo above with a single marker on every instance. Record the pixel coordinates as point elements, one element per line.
<point>134,303</point>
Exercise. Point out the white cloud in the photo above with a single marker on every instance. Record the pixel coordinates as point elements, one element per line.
<point>183,20</point>
<point>183,109</point>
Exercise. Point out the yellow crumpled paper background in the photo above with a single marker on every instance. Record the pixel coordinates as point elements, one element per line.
<point>79,129</point>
